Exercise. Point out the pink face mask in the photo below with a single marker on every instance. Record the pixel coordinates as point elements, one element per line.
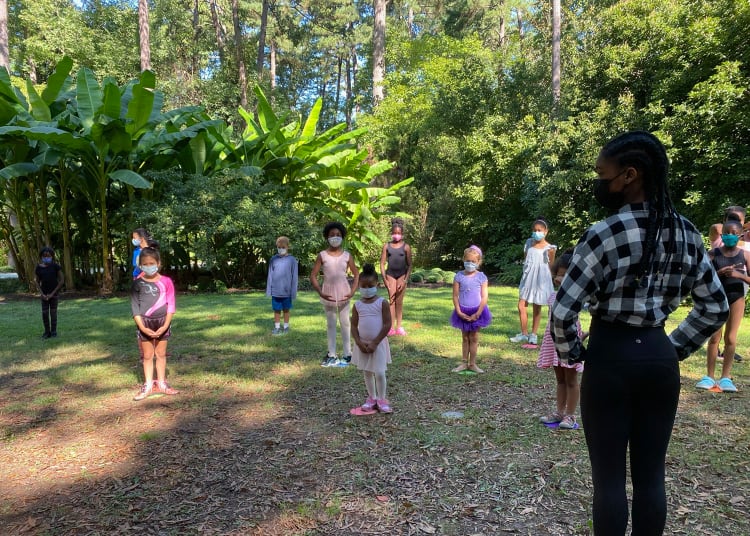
<point>396,237</point>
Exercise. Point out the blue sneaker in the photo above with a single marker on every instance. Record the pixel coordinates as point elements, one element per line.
<point>727,385</point>
<point>706,382</point>
<point>329,361</point>
<point>276,331</point>
<point>343,362</point>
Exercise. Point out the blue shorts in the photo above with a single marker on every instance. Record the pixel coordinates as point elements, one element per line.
<point>281,304</point>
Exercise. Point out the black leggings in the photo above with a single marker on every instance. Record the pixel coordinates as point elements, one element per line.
<point>49,315</point>
<point>629,394</point>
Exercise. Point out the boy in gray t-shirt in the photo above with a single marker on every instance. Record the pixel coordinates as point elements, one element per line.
<point>283,272</point>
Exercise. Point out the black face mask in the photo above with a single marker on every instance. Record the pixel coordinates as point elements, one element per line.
<point>607,199</point>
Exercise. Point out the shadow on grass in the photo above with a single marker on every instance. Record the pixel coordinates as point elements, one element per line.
<point>260,441</point>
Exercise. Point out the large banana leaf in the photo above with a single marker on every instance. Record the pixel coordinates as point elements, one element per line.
<point>39,109</point>
<point>20,169</point>
<point>130,177</point>
<point>88,97</point>
<point>58,80</point>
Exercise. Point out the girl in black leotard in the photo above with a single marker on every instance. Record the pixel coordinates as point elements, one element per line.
<point>397,254</point>
<point>731,263</point>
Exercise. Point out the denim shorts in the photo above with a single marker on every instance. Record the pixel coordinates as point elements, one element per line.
<point>281,304</point>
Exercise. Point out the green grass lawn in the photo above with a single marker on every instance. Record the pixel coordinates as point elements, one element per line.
<point>260,440</point>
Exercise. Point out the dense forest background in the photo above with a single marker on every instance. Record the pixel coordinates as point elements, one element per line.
<point>466,108</point>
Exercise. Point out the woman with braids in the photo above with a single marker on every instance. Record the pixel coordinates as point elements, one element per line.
<point>634,268</point>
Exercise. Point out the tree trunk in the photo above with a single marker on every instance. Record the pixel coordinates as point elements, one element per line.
<point>4,49</point>
<point>218,30</point>
<point>378,52</point>
<point>106,284</point>
<point>272,70</point>
<point>348,103</point>
<point>519,21</point>
<point>338,92</point>
<point>196,36</point>
<point>555,56</point>
<point>67,259</point>
<point>410,22</point>
<point>262,39</point>
<point>241,71</point>
<point>144,35</point>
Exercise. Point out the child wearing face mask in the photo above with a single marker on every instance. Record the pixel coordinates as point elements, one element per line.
<point>731,263</point>
<point>470,311</point>
<point>567,391</point>
<point>536,281</point>
<point>335,292</point>
<point>281,287</point>
<point>152,301</point>
<point>371,320</point>
<point>49,280</point>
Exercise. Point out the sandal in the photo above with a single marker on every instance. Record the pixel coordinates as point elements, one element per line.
<point>552,418</point>
<point>461,368</point>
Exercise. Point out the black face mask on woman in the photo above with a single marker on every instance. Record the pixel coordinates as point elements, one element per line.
<point>607,199</point>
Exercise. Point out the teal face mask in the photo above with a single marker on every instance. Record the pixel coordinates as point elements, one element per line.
<point>730,240</point>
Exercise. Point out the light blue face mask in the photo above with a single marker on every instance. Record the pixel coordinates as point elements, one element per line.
<point>335,241</point>
<point>470,266</point>
<point>368,292</point>
<point>136,241</point>
<point>282,251</point>
<point>150,270</point>
<point>537,235</point>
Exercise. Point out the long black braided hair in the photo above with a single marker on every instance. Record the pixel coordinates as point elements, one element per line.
<point>643,151</point>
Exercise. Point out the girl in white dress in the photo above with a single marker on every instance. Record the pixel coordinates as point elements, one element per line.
<point>371,320</point>
<point>536,281</point>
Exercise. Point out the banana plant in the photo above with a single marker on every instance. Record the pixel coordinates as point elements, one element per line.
<point>327,172</point>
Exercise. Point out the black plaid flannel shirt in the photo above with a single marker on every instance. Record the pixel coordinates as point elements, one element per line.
<point>603,271</point>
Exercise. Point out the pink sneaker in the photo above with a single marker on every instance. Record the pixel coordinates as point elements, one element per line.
<point>384,406</point>
<point>400,331</point>
<point>369,404</point>
<point>391,332</point>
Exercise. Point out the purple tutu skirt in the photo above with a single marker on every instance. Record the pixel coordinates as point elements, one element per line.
<point>482,322</point>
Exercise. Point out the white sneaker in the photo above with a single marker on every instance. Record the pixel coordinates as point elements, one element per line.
<point>520,338</point>
<point>533,339</point>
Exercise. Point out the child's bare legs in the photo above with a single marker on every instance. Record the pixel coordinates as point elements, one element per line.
<point>286,317</point>
<point>523,316</point>
<point>736,312</point>
<point>536,317</point>
<point>561,390</point>
<point>473,344</point>
<point>464,352</point>
<point>277,317</point>
<point>712,351</point>
<point>148,351</point>
<point>572,390</point>
<point>161,361</point>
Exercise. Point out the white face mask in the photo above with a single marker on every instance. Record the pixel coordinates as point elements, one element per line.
<point>150,269</point>
<point>368,292</point>
<point>282,251</point>
<point>335,241</point>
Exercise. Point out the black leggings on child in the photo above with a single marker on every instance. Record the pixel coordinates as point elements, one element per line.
<point>629,393</point>
<point>49,315</point>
